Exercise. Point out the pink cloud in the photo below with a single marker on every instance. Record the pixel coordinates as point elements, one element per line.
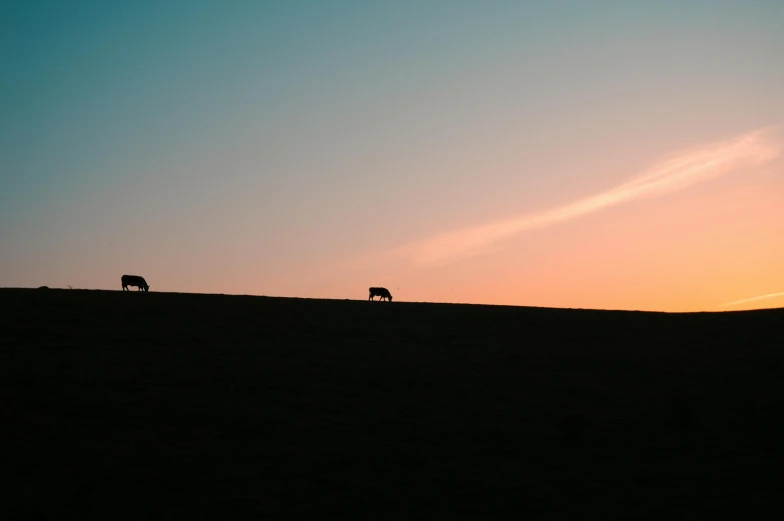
<point>671,175</point>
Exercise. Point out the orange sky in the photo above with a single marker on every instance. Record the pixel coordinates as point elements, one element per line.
<point>689,249</point>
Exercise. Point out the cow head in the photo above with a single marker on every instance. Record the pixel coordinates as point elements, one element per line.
<point>146,288</point>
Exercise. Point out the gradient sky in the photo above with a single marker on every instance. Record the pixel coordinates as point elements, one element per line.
<point>623,155</point>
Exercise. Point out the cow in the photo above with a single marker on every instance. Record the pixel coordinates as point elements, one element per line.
<point>134,280</point>
<point>381,292</point>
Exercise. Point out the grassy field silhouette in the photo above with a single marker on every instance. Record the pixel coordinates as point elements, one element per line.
<point>186,406</point>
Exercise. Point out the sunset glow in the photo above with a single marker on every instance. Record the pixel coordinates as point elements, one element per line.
<point>754,299</point>
<point>571,154</point>
<point>672,175</point>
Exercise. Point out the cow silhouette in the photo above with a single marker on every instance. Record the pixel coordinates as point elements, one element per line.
<point>134,280</point>
<point>380,292</point>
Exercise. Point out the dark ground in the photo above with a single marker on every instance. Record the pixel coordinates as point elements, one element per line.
<point>120,406</point>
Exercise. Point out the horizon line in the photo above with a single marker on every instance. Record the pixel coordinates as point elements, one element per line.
<point>343,299</point>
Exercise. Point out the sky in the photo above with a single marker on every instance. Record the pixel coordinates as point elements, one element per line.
<point>603,154</point>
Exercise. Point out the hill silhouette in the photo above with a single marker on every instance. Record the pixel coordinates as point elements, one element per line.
<point>184,406</point>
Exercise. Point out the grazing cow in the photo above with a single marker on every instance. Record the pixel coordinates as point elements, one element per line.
<point>381,292</point>
<point>134,280</point>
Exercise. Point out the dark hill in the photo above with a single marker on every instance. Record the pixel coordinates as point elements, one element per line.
<point>177,406</point>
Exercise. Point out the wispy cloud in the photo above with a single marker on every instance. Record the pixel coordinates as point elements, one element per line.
<point>672,175</point>
<point>752,299</point>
